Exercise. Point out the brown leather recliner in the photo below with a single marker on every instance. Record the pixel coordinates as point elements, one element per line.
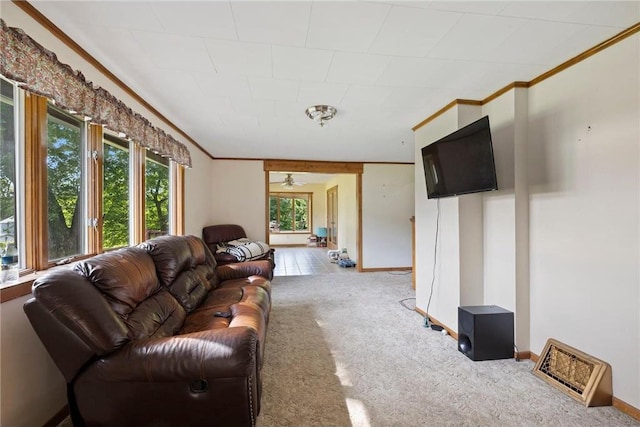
<point>213,235</point>
<point>156,335</point>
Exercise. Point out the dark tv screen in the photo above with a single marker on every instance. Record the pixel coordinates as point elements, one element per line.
<point>461,163</point>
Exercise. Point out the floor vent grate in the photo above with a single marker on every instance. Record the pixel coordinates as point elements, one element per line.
<point>575,373</point>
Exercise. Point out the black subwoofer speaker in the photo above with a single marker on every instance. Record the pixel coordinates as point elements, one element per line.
<point>485,332</point>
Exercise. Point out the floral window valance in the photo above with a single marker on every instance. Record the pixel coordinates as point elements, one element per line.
<point>39,71</point>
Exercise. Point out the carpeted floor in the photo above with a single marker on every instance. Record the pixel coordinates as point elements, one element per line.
<point>341,350</point>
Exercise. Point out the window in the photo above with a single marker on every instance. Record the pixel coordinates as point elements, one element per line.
<point>53,191</point>
<point>53,176</point>
<point>8,184</point>
<point>290,212</point>
<point>65,184</point>
<point>115,193</point>
<point>156,195</point>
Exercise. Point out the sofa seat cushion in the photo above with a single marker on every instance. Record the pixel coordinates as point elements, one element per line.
<point>221,299</point>
<point>205,320</point>
<point>252,292</point>
<point>211,313</point>
<point>204,317</point>
<point>242,314</point>
<point>258,281</point>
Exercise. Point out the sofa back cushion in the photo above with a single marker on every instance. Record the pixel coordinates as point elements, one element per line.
<point>214,234</point>
<point>80,308</point>
<point>127,279</point>
<point>204,264</point>
<point>171,256</point>
<point>183,268</point>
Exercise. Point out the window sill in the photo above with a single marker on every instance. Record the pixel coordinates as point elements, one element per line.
<point>22,287</point>
<point>18,289</point>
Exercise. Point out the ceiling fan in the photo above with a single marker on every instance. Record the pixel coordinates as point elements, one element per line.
<point>288,182</point>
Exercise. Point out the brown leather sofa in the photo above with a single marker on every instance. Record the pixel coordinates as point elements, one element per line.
<point>222,233</point>
<point>156,335</point>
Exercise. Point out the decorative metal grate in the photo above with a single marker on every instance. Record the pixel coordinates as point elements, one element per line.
<point>581,376</point>
<point>567,368</point>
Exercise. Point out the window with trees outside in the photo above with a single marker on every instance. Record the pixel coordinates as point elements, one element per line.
<point>8,201</point>
<point>290,212</point>
<point>71,189</point>
<point>115,194</point>
<point>68,190</point>
<point>156,195</point>
<point>65,184</point>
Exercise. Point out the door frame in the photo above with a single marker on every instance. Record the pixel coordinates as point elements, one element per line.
<point>332,244</point>
<point>319,167</point>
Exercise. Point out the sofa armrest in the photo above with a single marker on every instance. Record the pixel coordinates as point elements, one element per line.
<point>241,270</point>
<point>223,258</point>
<point>220,353</point>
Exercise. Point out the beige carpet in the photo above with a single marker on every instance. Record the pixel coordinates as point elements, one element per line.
<point>342,351</point>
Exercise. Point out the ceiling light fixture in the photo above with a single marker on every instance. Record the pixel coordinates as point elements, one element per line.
<point>321,113</point>
<point>288,182</point>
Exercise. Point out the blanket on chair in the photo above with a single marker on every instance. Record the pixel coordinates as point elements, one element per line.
<point>244,249</point>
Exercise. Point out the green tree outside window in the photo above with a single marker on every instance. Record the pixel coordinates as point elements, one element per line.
<point>116,213</point>
<point>8,217</point>
<point>291,211</point>
<point>156,196</point>
<point>64,185</point>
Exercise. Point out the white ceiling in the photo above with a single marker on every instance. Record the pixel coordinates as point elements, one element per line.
<point>237,76</point>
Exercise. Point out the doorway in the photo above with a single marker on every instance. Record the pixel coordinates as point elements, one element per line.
<point>332,217</point>
<point>353,238</point>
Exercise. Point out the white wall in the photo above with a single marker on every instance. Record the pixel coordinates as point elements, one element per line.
<point>237,193</point>
<point>505,212</point>
<point>33,389</point>
<point>431,298</point>
<point>442,298</point>
<point>319,205</point>
<point>459,264</point>
<point>561,238</point>
<point>387,206</point>
<point>197,203</point>
<point>584,136</point>
<point>499,207</point>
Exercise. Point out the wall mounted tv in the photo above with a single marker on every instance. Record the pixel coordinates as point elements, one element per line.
<point>461,163</point>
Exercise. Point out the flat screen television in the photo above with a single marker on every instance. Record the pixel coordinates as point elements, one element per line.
<point>461,163</point>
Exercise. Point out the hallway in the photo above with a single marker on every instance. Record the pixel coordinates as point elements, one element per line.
<point>298,261</point>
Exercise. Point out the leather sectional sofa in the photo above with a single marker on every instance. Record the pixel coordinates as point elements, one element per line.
<point>157,335</point>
